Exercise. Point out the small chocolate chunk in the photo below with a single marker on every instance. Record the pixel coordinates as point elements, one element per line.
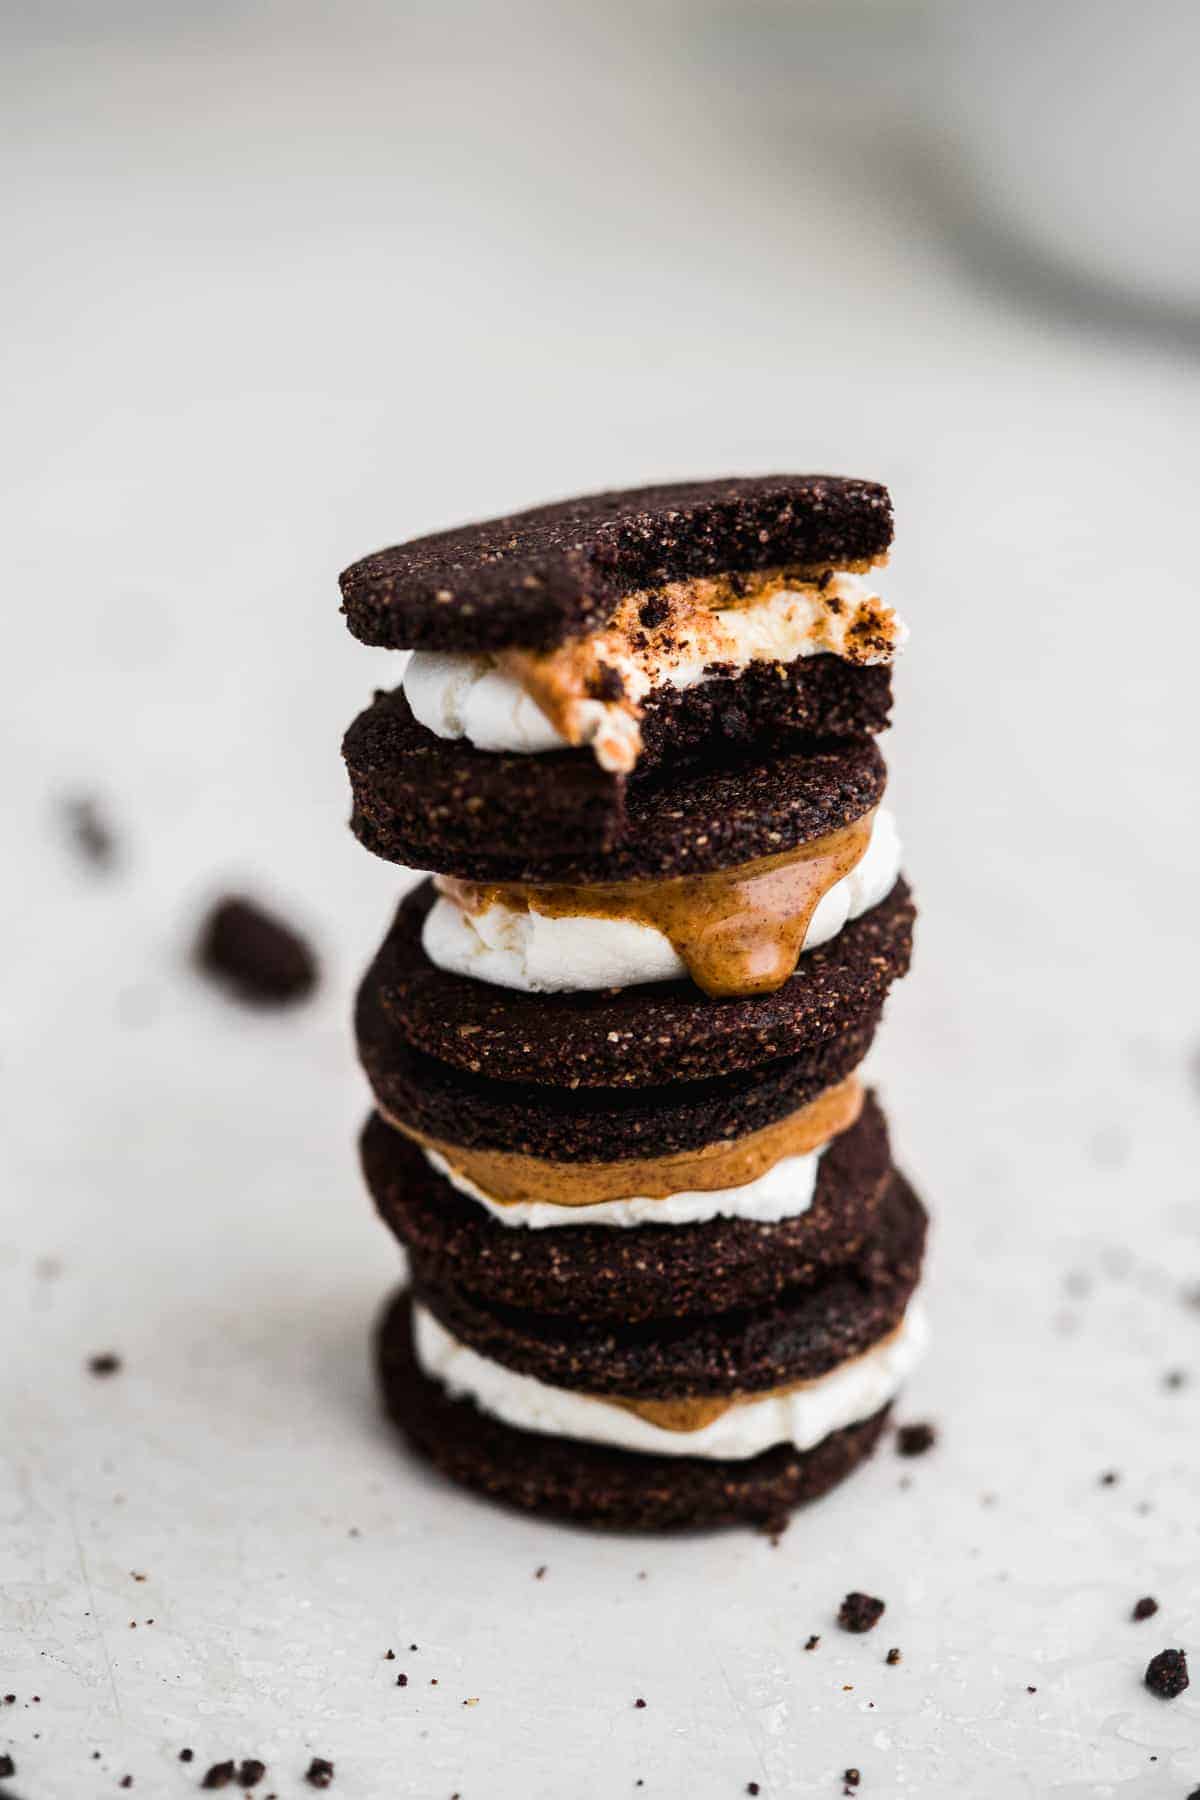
<point>892,1658</point>
<point>219,1776</point>
<point>260,959</point>
<point>915,1440</point>
<point>105,1364</point>
<point>1167,1674</point>
<point>320,1772</point>
<point>860,1612</point>
<point>251,1772</point>
<point>1145,1608</point>
<point>851,1777</point>
<point>186,1755</point>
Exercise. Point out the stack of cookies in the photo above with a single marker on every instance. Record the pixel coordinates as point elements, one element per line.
<point>661,1263</point>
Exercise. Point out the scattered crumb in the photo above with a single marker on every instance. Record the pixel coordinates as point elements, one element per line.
<point>1109,1478</point>
<point>7,1767</point>
<point>104,1364</point>
<point>412,1646</point>
<point>1031,1690</point>
<point>1167,1674</point>
<point>915,1440</point>
<point>752,1787</point>
<point>126,1781</point>
<point>813,1641</point>
<point>639,1703</point>
<point>539,1574</point>
<point>260,959</point>
<point>1145,1608</point>
<point>251,1772</point>
<point>1175,1378</point>
<point>851,1777</point>
<point>402,1681</point>
<point>389,1656</point>
<point>892,1658</point>
<point>186,1755</point>
<point>860,1612</point>
<point>320,1772</point>
<point>89,831</point>
<point>219,1775</point>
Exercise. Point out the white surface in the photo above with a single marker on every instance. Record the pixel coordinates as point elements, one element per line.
<point>783,1191</point>
<point>272,304</point>
<point>845,1396</point>
<point>540,953</point>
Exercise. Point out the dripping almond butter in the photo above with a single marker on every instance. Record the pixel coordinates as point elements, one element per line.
<point>738,931</point>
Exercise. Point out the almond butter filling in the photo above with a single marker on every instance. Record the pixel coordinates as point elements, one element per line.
<point>695,1412</point>
<point>508,1177</point>
<point>591,688</point>
<point>738,930</point>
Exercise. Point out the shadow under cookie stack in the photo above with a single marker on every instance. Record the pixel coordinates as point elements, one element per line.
<point>661,1263</point>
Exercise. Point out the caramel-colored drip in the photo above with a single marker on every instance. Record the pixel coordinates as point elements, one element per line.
<point>738,930</point>
<point>508,1177</point>
<point>694,1412</point>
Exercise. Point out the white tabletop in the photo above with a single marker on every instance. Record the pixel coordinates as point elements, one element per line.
<point>275,298</point>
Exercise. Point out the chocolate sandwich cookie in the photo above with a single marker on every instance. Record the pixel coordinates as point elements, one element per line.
<point>629,1037</point>
<point>611,1272</point>
<point>433,804</point>
<point>537,577</point>
<point>594,1484</point>
<point>800,1336</point>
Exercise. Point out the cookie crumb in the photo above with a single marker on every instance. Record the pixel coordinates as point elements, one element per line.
<point>104,1364</point>
<point>860,1612</point>
<point>915,1440</point>
<point>813,1641</point>
<point>851,1777</point>
<point>89,831</point>
<point>892,1657</point>
<point>262,961</point>
<point>7,1767</point>
<point>219,1775</point>
<point>1167,1674</point>
<point>639,1704</point>
<point>402,1681</point>
<point>539,1574</point>
<point>1031,1690</point>
<point>320,1772</point>
<point>1109,1478</point>
<point>186,1755</point>
<point>1145,1608</point>
<point>752,1787</point>
<point>1175,1378</point>
<point>126,1781</point>
<point>389,1656</point>
<point>251,1772</point>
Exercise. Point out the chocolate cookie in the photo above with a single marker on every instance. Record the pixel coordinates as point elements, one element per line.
<point>591,1124</point>
<point>436,803</point>
<point>606,1272</point>
<point>804,1333</point>
<point>534,578</point>
<point>591,1483</point>
<point>619,1037</point>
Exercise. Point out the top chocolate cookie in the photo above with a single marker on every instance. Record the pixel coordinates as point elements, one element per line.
<point>534,579</point>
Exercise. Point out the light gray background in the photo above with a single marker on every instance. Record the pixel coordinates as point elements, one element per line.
<point>287,286</point>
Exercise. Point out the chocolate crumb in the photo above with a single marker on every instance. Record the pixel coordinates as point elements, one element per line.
<point>752,1787</point>
<point>402,1681</point>
<point>606,683</point>
<point>1031,1690</point>
<point>89,831</point>
<point>1175,1378</point>
<point>126,1781</point>
<point>813,1641</point>
<point>1145,1608</point>
<point>1109,1478</point>
<point>639,1703</point>
<point>1167,1674</point>
<point>851,1777</point>
<point>104,1364</point>
<point>538,1574</point>
<point>251,1772</point>
<point>186,1755</point>
<point>412,1646</point>
<point>259,958</point>
<point>915,1440</point>
<point>860,1612</point>
<point>653,611</point>
<point>7,1767</point>
<point>219,1776</point>
<point>389,1656</point>
<point>320,1772</point>
<point>892,1658</point>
